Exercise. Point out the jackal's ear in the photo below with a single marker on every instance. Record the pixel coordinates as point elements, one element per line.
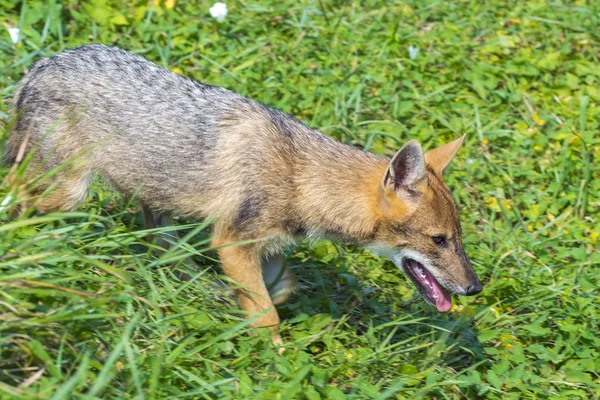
<point>406,169</point>
<point>439,158</point>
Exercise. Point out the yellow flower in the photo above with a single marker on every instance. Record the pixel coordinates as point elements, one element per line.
<point>529,228</point>
<point>170,3</point>
<point>464,310</point>
<point>507,339</point>
<point>492,203</point>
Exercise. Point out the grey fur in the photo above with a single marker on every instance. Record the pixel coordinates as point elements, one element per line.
<point>152,129</point>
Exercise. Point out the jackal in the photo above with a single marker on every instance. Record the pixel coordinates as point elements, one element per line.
<point>198,150</point>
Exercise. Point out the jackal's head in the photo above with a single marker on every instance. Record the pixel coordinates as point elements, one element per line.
<point>421,231</point>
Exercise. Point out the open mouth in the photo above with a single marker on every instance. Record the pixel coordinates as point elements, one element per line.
<point>427,285</point>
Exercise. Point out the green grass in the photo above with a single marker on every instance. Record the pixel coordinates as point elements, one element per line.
<point>88,310</point>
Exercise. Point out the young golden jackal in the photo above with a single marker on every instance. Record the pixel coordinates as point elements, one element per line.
<point>203,151</point>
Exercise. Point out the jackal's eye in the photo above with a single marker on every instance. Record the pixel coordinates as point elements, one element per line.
<point>440,240</point>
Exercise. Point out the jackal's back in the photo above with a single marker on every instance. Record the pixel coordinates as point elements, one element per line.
<point>181,145</point>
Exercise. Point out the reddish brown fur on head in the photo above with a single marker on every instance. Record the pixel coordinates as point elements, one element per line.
<point>420,222</point>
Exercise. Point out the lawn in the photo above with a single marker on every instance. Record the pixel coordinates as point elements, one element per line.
<point>89,309</point>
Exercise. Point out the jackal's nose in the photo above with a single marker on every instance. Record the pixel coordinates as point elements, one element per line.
<point>474,288</point>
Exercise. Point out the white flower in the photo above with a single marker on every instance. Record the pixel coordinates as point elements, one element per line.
<point>14,34</point>
<point>412,52</point>
<point>218,11</point>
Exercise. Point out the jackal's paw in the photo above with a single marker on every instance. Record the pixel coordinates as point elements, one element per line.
<point>278,342</point>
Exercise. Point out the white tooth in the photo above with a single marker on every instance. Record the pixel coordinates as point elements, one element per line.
<point>435,296</point>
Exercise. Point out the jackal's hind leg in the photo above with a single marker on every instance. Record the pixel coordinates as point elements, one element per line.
<point>64,192</point>
<point>166,240</point>
<point>278,277</point>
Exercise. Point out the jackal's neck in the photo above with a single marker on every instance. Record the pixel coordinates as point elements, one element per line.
<point>340,194</point>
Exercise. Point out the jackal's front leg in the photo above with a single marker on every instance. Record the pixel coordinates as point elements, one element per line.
<point>242,265</point>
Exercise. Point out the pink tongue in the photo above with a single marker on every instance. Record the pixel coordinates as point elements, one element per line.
<point>444,300</point>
